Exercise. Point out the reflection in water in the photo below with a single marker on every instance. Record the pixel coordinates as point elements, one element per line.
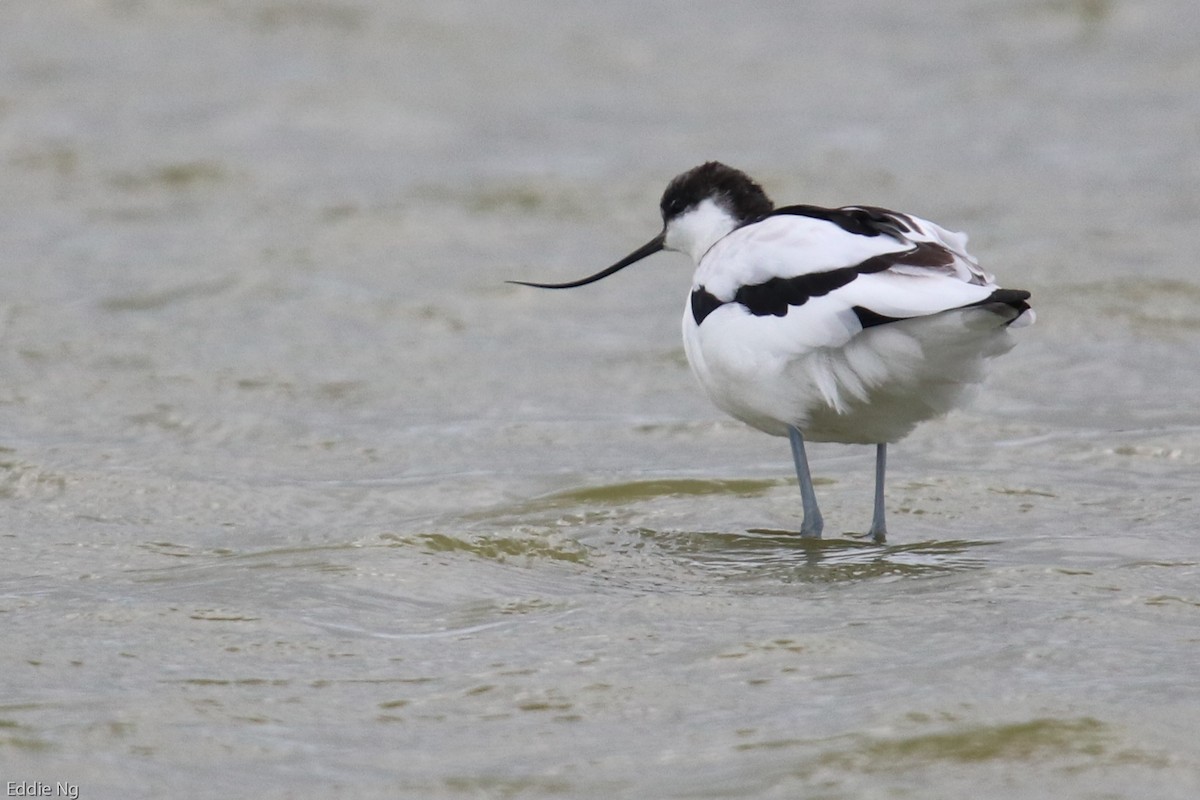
<point>656,516</point>
<point>784,555</point>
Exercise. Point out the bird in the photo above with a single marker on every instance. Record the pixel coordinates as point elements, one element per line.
<point>850,324</point>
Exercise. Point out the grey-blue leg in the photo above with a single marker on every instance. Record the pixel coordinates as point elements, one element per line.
<point>813,524</point>
<point>878,530</point>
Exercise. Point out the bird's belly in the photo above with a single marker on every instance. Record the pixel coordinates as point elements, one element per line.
<point>874,387</point>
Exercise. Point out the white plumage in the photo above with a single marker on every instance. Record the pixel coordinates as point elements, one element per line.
<point>817,367</point>
<point>840,325</point>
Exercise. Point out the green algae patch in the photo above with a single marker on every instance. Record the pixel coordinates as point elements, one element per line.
<point>1018,741</point>
<point>635,491</point>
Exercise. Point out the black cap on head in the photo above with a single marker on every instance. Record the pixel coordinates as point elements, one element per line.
<point>733,189</point>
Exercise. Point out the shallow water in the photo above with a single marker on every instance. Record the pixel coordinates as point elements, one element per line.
<point>298,498</point>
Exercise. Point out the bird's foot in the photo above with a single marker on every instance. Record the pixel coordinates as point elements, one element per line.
<point>812,526</point>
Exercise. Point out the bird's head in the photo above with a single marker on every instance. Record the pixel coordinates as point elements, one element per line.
<point>699,207</point>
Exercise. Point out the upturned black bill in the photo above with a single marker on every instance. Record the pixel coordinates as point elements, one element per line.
<point>649,248</point>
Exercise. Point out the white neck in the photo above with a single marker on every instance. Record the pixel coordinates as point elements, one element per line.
<point>695,231</point>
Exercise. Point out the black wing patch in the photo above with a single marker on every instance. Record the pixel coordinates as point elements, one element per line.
<point>861,220</point>
<point>775,296</point>
<point>1015,299</point>
<point>869,319</point>
<point>703,304</point>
